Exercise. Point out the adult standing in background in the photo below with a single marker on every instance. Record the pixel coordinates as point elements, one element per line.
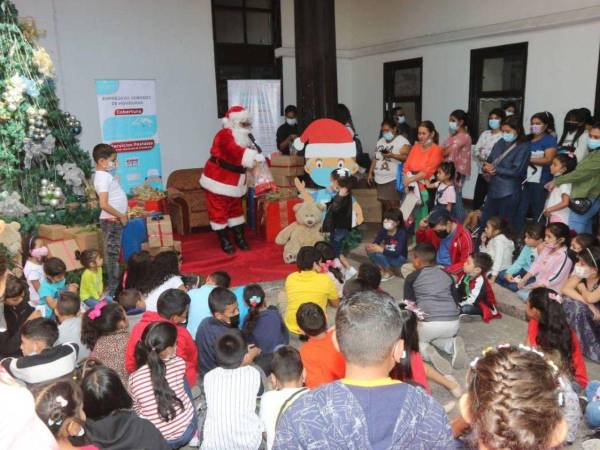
<point>575,135</point>
<point>542,147</point>
<point>510,109</point>
<point>457,149</point>
<point>404,129</point>
<point>390,150</point>
<point>507,166</point>
<point>288,131</point>
<point>342,115</point>
<point>482,150</point>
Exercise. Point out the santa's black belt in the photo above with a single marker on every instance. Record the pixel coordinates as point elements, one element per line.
<point>227,166</point>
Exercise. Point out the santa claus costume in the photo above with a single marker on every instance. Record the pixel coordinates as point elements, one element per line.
<point>224,176</point>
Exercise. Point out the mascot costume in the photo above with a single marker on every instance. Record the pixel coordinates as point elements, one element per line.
<point>233,152</point>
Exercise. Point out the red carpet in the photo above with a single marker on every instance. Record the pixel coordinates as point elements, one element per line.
<point>264,262</point>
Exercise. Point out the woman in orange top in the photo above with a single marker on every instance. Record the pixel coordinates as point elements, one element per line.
<point>424,157</point>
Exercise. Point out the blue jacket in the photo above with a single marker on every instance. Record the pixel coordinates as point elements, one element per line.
<point>511,171</point>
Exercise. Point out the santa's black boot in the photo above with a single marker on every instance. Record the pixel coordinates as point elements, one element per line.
<point>238,233</point>
<point>224,241</point>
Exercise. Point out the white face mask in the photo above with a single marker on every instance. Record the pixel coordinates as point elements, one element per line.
<point>581,272</point>
<point>291,121</point>
<point>388,225</point>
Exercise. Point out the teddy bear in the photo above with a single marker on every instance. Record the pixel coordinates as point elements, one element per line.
<point>305,231</point>
<point>11,239</point>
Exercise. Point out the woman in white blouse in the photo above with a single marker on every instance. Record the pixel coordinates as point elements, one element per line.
<point>482,149</point>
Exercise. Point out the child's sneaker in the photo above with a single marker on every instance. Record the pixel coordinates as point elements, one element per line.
<point>195,442</point>
<point>351,272</point>
<point>387,277</point>
<point>458,354</point>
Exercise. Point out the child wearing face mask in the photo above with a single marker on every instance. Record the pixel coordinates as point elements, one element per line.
<point>34,269</point>
<point>552,266</point>
<point>445,196</point>
<point>389,248</point>
<point>157,388</point>
<point>557,204</point>
<point>113,217</point>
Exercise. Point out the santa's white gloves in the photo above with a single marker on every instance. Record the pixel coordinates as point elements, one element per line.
<point>260,158</point>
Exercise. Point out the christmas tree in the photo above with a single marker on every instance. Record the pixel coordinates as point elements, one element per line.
<point>43,170</point>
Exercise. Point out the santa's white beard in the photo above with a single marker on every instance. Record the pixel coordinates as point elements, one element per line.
<point>241,136</point>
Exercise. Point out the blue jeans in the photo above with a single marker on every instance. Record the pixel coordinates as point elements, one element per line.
<point>507,284</point>
<point>533,197</point>
<point>592,411</point>
<point>189,432</point>
<point>458,212</point>
<point>504,207</point>
<point>337,240</point>
<point>380,260</point>
<point>582,223</point>
<point>91,302</point>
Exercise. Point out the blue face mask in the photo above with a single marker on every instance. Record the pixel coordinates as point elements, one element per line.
<point>494,123</point>
<point>388,136</point>
<point>401,119</point>
<point>452,126</point>
<point>593,144</point>
<point>321,175</point>
<point>508,137</point>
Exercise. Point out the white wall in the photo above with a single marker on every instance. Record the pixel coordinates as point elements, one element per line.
<point>562,65</point>
<point>170,41</point>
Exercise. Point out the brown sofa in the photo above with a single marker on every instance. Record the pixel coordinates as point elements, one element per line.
<point>187,200</point>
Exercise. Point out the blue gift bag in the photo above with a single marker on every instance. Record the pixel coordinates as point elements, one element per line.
<point>399,178</point>
<point>134,234</point>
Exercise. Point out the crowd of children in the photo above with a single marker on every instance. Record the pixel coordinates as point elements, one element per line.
<point>145,363</point>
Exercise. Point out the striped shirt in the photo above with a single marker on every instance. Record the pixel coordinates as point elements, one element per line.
<point>231,419</point>
<point>144,399</point>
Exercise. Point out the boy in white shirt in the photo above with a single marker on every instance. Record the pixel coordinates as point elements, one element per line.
<point>113,217</point>
<point>287,376</point>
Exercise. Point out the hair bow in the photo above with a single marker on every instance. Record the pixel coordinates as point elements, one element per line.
<point>61,401</point>
<point>343,172</point>
<point>255,300</point>
<point>570,154</point>
<point>97,310</point>
<point>332,263</point>
<point>555,296</point>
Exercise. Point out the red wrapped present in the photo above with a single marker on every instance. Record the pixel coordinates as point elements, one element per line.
<point>275,215</point>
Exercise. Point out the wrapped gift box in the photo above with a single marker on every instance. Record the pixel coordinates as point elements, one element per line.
<point>160,231</point>
<point>287,165</point>
<point>288,192</point>
<point>273,215</point>
<point>65,250</point>
<point>52,232</point>
<point>371,207</point>
<point>156,250</point>
<point>284,180</point>
<point>87,238</point>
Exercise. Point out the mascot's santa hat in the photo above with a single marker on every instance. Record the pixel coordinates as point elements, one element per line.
<point>326,138</point>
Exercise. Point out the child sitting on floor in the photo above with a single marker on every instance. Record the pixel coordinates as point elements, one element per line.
<point>534,243</point>
<point>433,291</point>
<point>67,312</point>
<point>41,360</point>
<point>263,326</point>
<point>157,386</point>
<point>557,203</point>
<point>371,275</point>
<point>17,311</point>
<point>552,266</point>
<point>231,391</point>
<point>525,414</point>
<point>338,269</point>
<point>322,362</point>
<point>475,292</point>
<point>389,248</point>
<point>91,288</point>
<point>495,243</point>
<point>199,309</point>
<point>33,270</point>
<point>105,330</point>
<point>53,282</point>
<point>287,378</point>
<point>580,243</point>
<point>134,305</point>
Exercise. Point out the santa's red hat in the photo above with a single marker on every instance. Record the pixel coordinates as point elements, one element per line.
<point>236,113</point>
<point>326,138</point>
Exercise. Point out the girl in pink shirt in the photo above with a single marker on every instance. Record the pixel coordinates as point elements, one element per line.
<point>552,266</point>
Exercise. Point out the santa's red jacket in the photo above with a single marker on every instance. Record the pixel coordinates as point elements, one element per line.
<point>461,246</point>
<point>224,172</point>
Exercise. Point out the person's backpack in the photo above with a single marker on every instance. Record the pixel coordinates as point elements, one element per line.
<point>362,159</point>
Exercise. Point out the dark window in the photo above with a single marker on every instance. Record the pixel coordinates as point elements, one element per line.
<point>497,77</point>
<point>597,102</point>
<point>402,83</point>
<point>246,34</point>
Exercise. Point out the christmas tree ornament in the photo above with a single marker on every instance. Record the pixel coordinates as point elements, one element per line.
<point>44,182</point>
<point>73,124</point>
<point>73,176</point>
<point>37,148</point>
<point>11,206</point>
<point>42,60</point>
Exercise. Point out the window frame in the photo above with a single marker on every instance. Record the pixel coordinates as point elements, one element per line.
<point>597,100</point>
<point>476,78</point>
<point>389,69</point>
<point>244,54</point>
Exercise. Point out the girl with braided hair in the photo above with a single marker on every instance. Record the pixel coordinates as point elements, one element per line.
<point>513,401</point>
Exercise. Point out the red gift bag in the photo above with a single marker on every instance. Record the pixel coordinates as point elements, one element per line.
<point>274,215</point>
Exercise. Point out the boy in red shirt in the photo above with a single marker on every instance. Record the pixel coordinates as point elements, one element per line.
<point>322,362</point>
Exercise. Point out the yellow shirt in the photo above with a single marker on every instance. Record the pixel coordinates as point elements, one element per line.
<point>91,285</point>
<point>304,287</point>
